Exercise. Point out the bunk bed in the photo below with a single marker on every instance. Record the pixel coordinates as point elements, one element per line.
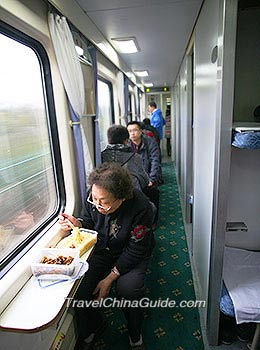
<point>240,297</point>
<point>241,292</point>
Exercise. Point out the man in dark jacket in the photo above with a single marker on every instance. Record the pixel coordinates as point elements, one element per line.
<point>149,151</point>
<point>147,128</point>
<point>147,148</point>
<point>120,152</point>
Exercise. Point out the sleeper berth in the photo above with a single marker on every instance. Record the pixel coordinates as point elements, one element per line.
<point>241,276</point>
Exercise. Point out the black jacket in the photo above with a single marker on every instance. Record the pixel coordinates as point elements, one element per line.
<point>124,155</point>
<point>150,153</point>
<point>127,233</point>
<point>154,131</point>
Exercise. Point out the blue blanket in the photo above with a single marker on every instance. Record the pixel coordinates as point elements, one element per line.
<point>246,139</point>
<point>226,304</point>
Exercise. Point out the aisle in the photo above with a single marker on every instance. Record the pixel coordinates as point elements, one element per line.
<point>169,276</point>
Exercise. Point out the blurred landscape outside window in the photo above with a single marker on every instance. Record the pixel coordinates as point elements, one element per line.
<point>28,191</point>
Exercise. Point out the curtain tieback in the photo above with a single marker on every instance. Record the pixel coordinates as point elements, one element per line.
<point>71,123</point>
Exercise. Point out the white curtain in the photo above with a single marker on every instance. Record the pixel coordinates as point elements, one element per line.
<point>121,96</point>
<point>68,62</point>
<point>137,108</point>
<point>87,157</point>
<point>70,71</point>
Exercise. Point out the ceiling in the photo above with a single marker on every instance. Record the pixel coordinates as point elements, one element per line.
<point>162,29</point>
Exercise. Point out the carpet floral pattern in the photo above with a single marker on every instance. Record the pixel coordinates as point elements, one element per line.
<point>168,276</point>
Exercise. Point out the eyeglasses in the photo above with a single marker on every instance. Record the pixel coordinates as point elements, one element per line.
<point>133,130</point>
<point>98,205</point>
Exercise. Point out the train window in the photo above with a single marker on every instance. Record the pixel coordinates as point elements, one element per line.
<point>105,107</point>
<point>28,186</point>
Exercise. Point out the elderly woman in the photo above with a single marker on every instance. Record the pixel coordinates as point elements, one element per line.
<point>123,218</point>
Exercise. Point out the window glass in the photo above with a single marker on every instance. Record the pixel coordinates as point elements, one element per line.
<point>28,191</point>
<point>105,111</point>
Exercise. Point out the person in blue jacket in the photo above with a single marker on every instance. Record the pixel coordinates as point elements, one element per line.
<point>157,119</point>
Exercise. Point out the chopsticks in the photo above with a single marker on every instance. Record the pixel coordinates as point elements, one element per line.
<point>70,224</point>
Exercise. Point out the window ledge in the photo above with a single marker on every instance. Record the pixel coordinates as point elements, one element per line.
<point>26,307</point>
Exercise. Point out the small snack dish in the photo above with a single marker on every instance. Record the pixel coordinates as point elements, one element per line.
<point>58,261</point>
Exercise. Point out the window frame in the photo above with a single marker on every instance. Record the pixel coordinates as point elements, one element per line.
<point>41,54</point>
<point>110,88</point>
<point>110,85</point>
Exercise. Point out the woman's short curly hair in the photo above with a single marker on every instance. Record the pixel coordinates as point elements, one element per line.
<point>114,179</point>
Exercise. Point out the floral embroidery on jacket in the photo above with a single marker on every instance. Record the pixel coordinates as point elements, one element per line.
<point>138,232</point>
<point>114,229</point>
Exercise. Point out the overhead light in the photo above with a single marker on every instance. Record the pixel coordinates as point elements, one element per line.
<point>141,73</point>
<point>79,50</point>
<point>148,84</point>
<point>126,45</point>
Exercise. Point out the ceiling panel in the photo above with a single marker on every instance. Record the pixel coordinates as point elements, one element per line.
<point>162,29</point>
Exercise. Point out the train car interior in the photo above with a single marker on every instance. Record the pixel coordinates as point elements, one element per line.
<point>69,70</point>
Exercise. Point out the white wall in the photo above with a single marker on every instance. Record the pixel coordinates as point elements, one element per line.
<point>205,91</point>
<point>212,113</point>
<point>177,135</point>
<point>183,129</point>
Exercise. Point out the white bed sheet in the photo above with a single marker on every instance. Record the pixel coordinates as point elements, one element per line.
<point>241,274</point>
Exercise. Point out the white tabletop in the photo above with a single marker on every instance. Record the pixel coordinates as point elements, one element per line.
<point>35,308</point>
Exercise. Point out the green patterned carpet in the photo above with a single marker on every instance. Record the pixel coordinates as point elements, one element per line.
<point>169,276</point>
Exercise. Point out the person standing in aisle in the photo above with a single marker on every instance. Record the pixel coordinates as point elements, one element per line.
<point>168,130</point>
<point>157,120</point>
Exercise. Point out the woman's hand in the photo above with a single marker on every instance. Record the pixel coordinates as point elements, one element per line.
<point>67,221</point>
<point>103,288</point>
